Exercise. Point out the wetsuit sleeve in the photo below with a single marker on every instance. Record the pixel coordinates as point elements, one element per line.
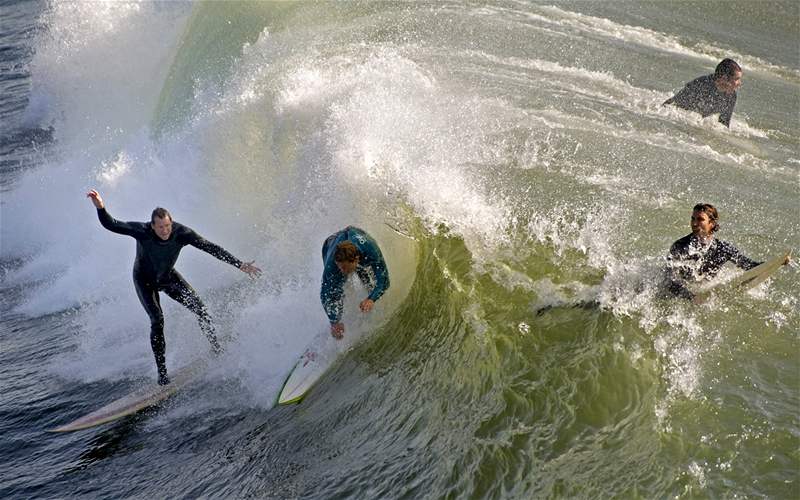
<point>727,114</point>
<point>372,257</point>
<point>134,229</point>
<point>197,241</point>
<point>742,261</point>
<point>332,292</point>
<point>683,97</point>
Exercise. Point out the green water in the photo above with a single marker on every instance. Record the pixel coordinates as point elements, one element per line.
<point>532,357</point>
<point>522,149</point>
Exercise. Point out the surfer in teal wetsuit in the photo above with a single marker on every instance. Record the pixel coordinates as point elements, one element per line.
<point>699,255</point>
<point>158,244</point>
<point>344,252</point>
<point>712,94</point>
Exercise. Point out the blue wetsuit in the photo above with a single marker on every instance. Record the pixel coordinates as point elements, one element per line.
<point>333,280</point>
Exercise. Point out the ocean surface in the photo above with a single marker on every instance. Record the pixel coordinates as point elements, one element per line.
<point>515,164</point>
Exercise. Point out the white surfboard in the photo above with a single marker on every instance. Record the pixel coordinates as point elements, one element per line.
<point>143,398</point>
<point>748,279</point>
<point>317,358</point>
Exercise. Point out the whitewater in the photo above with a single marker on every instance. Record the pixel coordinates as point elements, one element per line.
<point>514,163</point>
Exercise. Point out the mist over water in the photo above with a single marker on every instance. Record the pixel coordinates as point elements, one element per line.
<point>516,166</point>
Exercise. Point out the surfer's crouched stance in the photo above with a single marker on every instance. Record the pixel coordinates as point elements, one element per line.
<point>699,255</point>
<point>343,252</point>
<point>158,245</point>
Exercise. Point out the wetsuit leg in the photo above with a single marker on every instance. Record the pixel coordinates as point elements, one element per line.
<point>180,291</point>
<point>148,296</point>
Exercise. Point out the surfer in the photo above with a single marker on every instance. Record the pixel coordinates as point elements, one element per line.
<point>712,94</point>
<point>158,244</point>
<point>699,255</point>
<point>343,252</point>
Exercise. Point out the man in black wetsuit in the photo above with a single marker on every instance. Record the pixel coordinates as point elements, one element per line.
<point>712,94</point>
<point>158,245</point>
<point>699,255</point>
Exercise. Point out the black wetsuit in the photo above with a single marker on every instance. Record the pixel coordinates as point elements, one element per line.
<point>702,96</point>
<point>153,272</point>
<point>690,260</point>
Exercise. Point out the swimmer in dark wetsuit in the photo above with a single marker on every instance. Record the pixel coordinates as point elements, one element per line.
<point>699,255</point>
<point>158,245</point>
<point>712,94</point>
<point>343,252</point>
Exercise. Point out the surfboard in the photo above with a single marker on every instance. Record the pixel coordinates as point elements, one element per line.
<point>145,397</point>
<point>315,361</point>
<point>748,279</point>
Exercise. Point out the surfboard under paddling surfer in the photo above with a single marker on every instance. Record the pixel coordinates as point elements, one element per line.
<point>344,252</point>
<point>700,256</point>
<point>158,244</point>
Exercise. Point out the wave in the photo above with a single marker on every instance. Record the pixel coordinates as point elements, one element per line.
<point>659,41</point>
<point>523,203</point>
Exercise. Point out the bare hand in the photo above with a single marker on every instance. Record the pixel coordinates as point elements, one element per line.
<point>366,305</point>
<point>787,260</point>
<point>337,331</point>
<point>250,269</point>
<point>97,201</point>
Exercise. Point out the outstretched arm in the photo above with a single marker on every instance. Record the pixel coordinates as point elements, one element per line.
<point>681,95</point>
<point>220,253</point>
<point>738,258</point>
<point>686,97</point>
<point>97,200</point>
<point>134,229</point>
<point>250,269</point>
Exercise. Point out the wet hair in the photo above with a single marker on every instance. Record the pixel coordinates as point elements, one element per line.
<point>726,68</point>
<point>346,252</point>
<point>161,213</point>
<point>711,211</point>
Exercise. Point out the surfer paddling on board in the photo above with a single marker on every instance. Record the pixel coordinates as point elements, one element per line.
<point>158,244</point>
<point>344,252</point>
<point>712,94</point>
<point>699,255</point>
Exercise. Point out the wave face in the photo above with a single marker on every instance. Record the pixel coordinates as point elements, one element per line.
<point>524,182</point>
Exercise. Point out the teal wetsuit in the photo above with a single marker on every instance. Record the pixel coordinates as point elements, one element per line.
<point>371,270</point>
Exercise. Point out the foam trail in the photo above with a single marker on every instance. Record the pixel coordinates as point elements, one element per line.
<point>656,40</point>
